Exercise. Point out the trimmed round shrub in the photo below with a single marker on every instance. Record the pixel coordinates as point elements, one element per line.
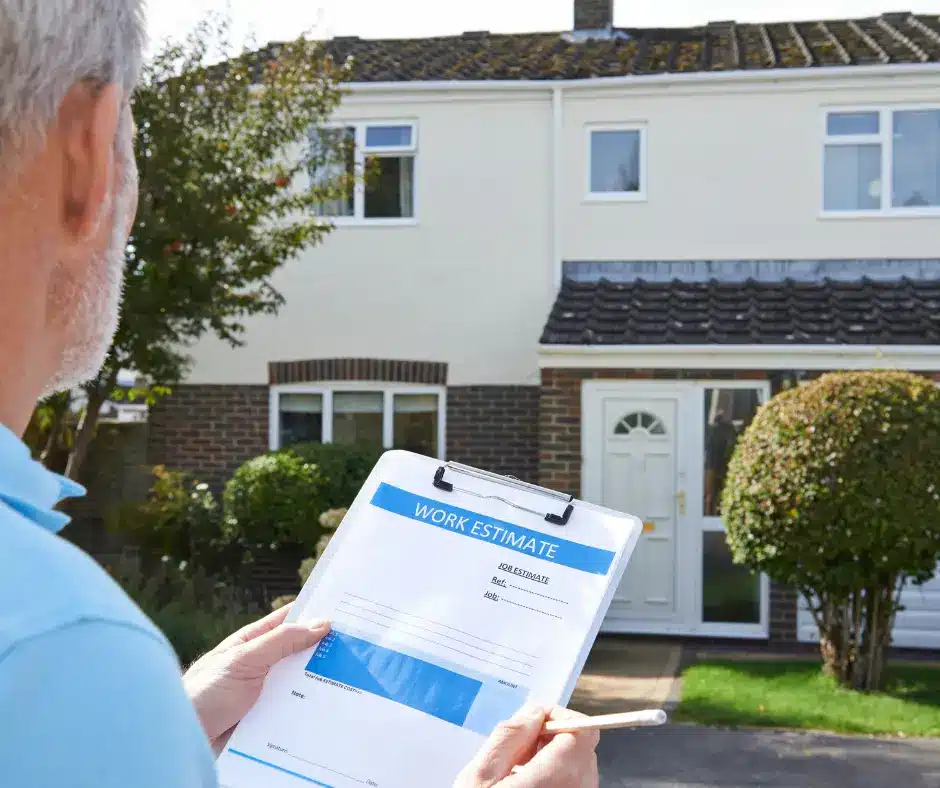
<point>274,501</point>
<point>835,488</point>
<point>344,468</point>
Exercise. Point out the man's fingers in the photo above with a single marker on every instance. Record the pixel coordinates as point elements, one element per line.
<point>566,759</point>
<point>589,737</point>
<point>512,743</point>
<point>561,713</point>
<point>255,629</point>
<point>265,651</point>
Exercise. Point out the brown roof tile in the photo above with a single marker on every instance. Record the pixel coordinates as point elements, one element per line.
<point>724,46</point>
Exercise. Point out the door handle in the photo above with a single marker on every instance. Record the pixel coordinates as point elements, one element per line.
<point>680,501</point>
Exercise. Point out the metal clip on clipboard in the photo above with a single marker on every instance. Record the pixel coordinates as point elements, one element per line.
<point>505,481</point>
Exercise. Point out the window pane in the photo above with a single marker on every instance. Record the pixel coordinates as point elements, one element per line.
<point>916,159</point>
<point>852,178</point>
<point>615,161</point>
<point>730,593</point>
<point>388,137</point>
<point>841,123</point>
<point>301,418</point>
<point>728,412</point>
<point>332,153</point>
<point>390,188</point>
<point>357,417</point>
<point>416,423</point>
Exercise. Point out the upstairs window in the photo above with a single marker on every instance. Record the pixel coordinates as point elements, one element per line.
<point>882,161</point>
<point>380,158</point>
<point>616,163</point>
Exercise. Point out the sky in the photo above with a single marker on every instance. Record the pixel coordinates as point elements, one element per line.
<point>273,20</point>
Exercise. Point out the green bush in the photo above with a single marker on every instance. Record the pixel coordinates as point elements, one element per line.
<point>835,488</point>
<point>274,502</point>
<point>194,611</point>
<point>180,518</point>
<point>344,468</point>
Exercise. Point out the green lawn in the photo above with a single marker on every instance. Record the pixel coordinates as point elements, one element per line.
<point>797,695</point>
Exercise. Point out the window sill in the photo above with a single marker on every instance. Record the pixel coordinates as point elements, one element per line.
<point>924,213</point>
<point>350,222</point>
<point>614,197</point>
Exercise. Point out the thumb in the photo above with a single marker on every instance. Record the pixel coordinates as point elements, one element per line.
<point>511,744</point>
<point>266,650</point>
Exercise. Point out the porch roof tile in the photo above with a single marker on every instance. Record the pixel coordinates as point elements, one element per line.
<point>866,312</point>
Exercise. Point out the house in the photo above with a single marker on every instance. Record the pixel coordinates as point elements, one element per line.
<point>588,257</point>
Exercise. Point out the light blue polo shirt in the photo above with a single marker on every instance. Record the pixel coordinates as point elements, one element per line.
<point>90,691</point>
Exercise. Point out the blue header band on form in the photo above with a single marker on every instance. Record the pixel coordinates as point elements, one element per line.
<point>534,544</point>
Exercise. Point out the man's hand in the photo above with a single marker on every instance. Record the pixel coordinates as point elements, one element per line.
<point>517,755</point>
<point>225,683</point>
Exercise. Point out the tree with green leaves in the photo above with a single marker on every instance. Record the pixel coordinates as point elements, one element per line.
<point>834,488</point>
<point>222,150</point>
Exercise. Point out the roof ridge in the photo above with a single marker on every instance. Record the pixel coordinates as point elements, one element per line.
<point>625,51</point>
<point>892,17</point>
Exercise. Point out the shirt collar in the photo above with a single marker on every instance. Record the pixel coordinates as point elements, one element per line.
<point>31,489</point>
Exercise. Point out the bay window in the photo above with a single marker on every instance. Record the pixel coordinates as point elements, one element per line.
<point>386,417</point>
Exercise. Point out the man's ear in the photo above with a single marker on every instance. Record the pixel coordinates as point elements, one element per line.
<point>88,123</point>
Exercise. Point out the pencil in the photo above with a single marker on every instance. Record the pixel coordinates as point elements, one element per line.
<point>632,719</point>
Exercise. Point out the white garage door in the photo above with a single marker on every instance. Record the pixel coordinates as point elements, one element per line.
<point>917,626</point>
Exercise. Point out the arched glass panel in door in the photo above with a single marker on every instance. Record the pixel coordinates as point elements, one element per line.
<point>640,420</point>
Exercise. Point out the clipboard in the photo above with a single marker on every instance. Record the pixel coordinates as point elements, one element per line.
<point>510,482</point>
<point>558,508</point>
<point>456,596</point>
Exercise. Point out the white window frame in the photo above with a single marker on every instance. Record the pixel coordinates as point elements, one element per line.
<point>360,128</point>
<point>703,523</point>
<point>326,391</point>
<point>884,138</point>
<point>604,197</point>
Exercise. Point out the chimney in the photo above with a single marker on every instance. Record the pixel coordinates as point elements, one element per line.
<point>593,14</point>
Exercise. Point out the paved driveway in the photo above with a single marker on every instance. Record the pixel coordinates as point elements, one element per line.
<point>691,757</point>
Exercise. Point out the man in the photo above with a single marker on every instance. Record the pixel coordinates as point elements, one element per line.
<point>90,691</point>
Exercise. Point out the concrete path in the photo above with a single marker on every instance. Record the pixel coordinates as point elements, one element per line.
<point>628,675</point>
<point>682,756</point>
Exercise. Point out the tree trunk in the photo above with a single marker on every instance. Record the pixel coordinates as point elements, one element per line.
<point>832,639</point>
<point>883,609</point>
<point>61,404</point>
<point>97,395</point>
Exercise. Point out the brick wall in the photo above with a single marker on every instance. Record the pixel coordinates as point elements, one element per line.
<point>494,428</point>
<point>209,430</point>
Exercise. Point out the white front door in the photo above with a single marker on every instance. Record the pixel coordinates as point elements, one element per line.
<point>659,451</point>
<point>631,445</point>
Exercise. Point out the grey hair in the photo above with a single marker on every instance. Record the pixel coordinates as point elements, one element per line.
<point>47,46</point>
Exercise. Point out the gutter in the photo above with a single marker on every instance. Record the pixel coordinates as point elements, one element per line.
<point>918,358</point>
<point>764,76</point>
